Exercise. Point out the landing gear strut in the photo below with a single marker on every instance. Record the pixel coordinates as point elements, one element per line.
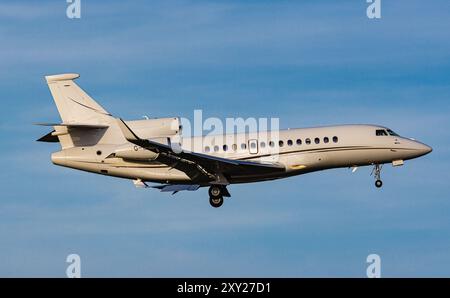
<point>216,194</point>
<point>377,174</point>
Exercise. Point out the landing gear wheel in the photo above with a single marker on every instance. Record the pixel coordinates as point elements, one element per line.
<point>216,202</point>
<point>377,174</point>
<point>215,191</point>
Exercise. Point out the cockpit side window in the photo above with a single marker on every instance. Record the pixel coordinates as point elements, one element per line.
<point>381,132</point>
<point>392,133</point>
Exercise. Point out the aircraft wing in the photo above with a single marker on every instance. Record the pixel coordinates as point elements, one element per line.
<point>174,188</point>
<point>200,167</point>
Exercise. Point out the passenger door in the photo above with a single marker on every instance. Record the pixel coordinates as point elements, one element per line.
<point>253,146</point>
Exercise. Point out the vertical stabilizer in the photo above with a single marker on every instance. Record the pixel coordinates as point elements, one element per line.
<point>76,107</point>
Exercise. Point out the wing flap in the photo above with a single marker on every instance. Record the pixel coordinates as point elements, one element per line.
<point>177,187</point>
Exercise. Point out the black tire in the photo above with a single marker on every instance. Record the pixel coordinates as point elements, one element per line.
<point>378,183</point>
<point>215,191</point>
<point>216,202</point>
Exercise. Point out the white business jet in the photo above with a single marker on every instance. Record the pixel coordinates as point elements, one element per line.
<point>152,150</point>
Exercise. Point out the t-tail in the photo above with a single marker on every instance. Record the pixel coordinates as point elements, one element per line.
<point>84,121</point>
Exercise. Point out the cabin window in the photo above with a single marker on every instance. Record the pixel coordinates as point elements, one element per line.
<point>281,143</point>
<point>253,145</point>
<point>308,141</point>
<point>243,146</point>
<point>289,142</point>
<point>299,141</point>
<point>207,149</point>
<point>262,144</point>
<point>326,140</point>
<point>335,139</point>
<point>216,148</point>
<point>317,140</point>
<point>381,132</point>
<point>225,148</point>
<point>271,144</point>
<point>234,146</point>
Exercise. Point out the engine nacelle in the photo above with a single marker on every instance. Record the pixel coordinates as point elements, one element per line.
<point>156,128</point>
<point>159,130</point>
<point>135,153</point>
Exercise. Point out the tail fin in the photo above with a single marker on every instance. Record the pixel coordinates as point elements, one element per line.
<point>75,105</point>
<point>84,121</point>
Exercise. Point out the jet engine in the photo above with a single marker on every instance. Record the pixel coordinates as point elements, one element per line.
<point>156,128</point>
<point>135,152</point>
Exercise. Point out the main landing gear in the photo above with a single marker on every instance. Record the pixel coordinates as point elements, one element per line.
<point>216,194</point>
<point>377,174</point>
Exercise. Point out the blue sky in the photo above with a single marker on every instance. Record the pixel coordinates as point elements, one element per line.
<point>306,62</point>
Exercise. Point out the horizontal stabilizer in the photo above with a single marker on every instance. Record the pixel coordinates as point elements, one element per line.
<point>49,138</point>
<point>74,125</point>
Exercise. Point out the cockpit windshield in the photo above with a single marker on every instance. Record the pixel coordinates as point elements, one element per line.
<point>392,133</point>
<point>385,132</point>
<point>381,132</point>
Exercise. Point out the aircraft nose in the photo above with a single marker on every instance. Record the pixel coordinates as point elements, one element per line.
<point>423,149</point>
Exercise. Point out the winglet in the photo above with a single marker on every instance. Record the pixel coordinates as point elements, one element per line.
<point>126,131</point>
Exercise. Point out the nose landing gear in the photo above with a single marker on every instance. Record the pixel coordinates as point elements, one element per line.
<point>378,183</point>
<point>216,194</point>
<point>377,174</point>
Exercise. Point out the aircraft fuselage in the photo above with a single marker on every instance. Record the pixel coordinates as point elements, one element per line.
<point>300,151</point>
